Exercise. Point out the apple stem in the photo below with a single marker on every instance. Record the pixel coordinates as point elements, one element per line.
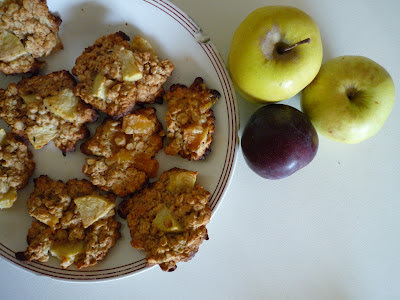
<point>282,50</point>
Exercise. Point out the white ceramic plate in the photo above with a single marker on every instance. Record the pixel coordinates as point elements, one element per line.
<point>174,36</point>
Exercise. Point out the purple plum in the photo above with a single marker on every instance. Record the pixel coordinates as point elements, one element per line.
<point>278,140</point>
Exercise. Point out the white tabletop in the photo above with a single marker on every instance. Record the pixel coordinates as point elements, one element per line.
<point>330,231</point>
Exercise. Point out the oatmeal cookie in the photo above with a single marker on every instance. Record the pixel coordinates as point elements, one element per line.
<point>115,75</point>
<point>190,120</point>
<point>125,149</point>
<point>16,167</point>
<point>28,32</point>
<point>44,108</point>
<point>168,219</point>
<point>60,229</point>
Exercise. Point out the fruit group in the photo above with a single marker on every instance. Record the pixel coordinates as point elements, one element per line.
<point>278,140</point>
<point>350,99</point>
<point>261,63</point>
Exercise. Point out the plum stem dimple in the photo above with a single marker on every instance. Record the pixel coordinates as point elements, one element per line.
<point>283,49</point>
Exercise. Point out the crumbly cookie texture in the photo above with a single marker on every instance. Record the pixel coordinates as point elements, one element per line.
<point>168,218</point>
<point>125,151</point>
<point>28,32</point>
<point>44,108</point>
<point>190,120</point>
<point>115,75</point>
<point>60,211</point>
<point>16,167</point>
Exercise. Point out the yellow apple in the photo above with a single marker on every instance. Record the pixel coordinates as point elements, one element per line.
<point>263,65</point>
<point>350,99</point>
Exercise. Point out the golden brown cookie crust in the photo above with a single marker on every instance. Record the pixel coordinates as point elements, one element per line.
<point>111,137</point>
<point>121,96</point>
<point>190,120</point>
<point>32,23</point>
<point>26,117</point>
<point>16,162</point>
<point>51,201</point>
<point>189,206</point>
<point>125,149</point>
<point>58,222</point>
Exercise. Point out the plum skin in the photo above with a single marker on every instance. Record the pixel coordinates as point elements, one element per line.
<point>278,140</point>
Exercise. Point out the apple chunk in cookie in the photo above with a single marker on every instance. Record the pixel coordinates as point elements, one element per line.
<point>168,218</point>
<point>44,108</point>
<point>73,223</point>
<point>124,151</point>
<point>28,31</point>
<point>190,120</point>
<point>115,75</point>
<point>16,167</point>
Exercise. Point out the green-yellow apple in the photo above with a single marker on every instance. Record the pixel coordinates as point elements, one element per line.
<point>275,53</point>
<point>350,99</point>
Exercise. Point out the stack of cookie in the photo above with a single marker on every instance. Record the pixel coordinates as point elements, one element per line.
<point>75,221</point>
